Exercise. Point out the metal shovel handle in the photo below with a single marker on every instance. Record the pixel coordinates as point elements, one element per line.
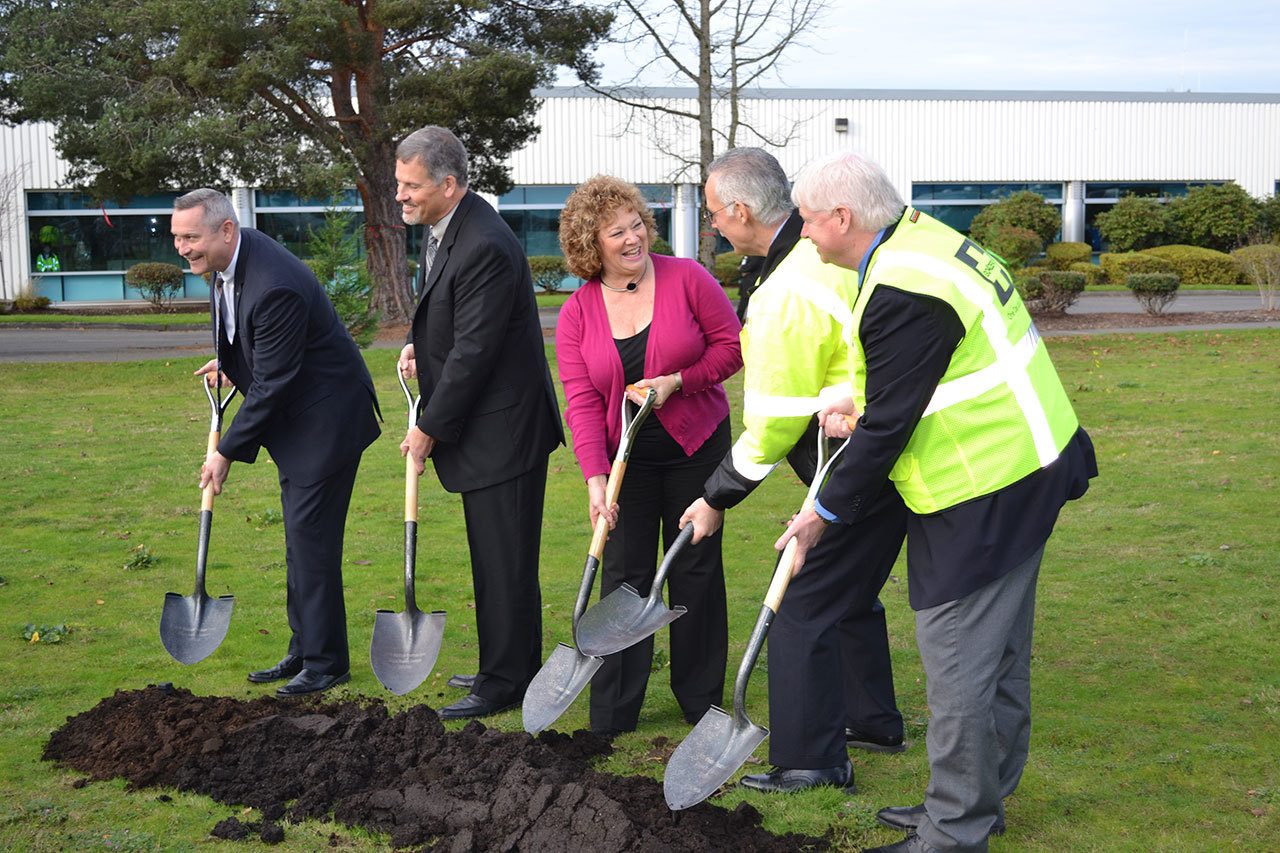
<point>655,593</point>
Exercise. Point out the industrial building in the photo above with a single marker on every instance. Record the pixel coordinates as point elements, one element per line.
<point>948,152</point>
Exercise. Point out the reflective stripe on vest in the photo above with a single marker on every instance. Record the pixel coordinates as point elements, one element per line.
<point>1011,359</point>
<point>999,412</point>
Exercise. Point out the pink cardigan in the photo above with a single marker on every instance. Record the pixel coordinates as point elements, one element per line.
<point>694,330</point>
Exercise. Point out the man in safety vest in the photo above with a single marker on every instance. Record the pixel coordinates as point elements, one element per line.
<point>830,678</point>
<point>962,409</point>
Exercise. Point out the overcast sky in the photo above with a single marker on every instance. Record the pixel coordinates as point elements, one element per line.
<point>1106,45</point>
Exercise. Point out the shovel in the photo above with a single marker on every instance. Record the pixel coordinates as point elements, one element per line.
<point>622,618</point>
<point>720,743</point>
<point>568,670</point>
<point>405,645</point>
<point>193,626</point>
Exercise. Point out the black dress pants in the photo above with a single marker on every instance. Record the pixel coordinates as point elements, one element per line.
<point>653,496</point>
<point>315,518</point>
<point>828,646</point>
<point>504,533</point>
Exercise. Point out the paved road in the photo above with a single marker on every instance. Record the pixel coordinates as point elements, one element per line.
<point>95,343</point>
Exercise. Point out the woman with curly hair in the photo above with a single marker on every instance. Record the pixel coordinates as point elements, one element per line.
<point>662,323</point>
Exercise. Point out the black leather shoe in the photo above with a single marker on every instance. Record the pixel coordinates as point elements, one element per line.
<point>908,818</point>
<point>911,844</point>
<point>310,681</point>
<point>859,739</point>
<point>784,780</point>
<point>463,681</point>
<point>472,705</point>
<point>289,666</point>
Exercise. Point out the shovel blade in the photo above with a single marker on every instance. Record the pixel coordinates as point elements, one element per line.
<point>620,620</point>
<point>193,626</point>
<point>556,685</point>
<point>404,647</point>
<point>705,760</point>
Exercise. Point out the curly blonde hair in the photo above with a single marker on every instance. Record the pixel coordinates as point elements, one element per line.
<point>587,209</point>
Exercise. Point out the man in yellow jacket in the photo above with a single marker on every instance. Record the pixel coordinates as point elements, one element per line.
<point>963,411</point>
<point>830,678</point>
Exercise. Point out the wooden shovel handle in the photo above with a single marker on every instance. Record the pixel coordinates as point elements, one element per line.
<point>206,494</point>
<point>410,489</point>
<point>611,490</point>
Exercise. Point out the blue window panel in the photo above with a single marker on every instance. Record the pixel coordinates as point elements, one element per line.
<point>195,287</point>
<point>283,198</point>
<point>93,288</point>
<point>49,286</point>
<point>64,200</point>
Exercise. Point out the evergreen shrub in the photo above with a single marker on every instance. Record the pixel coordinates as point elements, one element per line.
<point>1061,256</point>
<point>1198,267</point>
<point>1117,266</point>
<point>548,272</point>
<point>1153,290</point>
<point>159,282</point>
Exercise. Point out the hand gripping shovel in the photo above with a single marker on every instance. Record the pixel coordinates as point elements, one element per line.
<point>720,743</point>
<point>622,618</point>
<point>405,645</point>
<point>568,670</point>
<point>193,626</point>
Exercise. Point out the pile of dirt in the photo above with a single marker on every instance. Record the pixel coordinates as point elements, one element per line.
<point>403,774</point>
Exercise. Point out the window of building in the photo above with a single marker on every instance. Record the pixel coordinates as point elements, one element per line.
<point>1101,196</point>
<point>533,212</point>
<point>956,204</point>
<point>67,232</point>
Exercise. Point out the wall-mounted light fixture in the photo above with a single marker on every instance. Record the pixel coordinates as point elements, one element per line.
<point>842,125</point>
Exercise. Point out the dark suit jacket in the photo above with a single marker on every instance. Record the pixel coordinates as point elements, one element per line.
<point>308,397</point>
<point>482,370</point>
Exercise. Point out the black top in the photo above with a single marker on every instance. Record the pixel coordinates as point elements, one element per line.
<point>909,339</point>
<point>653,443</point>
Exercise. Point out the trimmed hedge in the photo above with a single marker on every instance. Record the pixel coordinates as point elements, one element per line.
<point>1153,290</point>
<point>1050,291</point>
<point>726,271</point>
<point>1118,266</point>
<point>1013,245</point>
<point>1061,256</point>
<point>548,272</point>
<point>159,282</point>
<point>1197,266</point>
<point>1092,272</point>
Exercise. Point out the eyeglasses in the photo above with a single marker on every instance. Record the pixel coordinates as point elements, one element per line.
<point>709,216</point>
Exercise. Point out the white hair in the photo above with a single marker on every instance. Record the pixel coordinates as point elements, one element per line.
<point>846,179</point>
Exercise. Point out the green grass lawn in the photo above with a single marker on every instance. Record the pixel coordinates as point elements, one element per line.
<point>184,318</point>
<point>1157,689</point>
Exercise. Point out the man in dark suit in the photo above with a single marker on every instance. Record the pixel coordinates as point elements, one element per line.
<point>489,415</point>
<point>307,398</point>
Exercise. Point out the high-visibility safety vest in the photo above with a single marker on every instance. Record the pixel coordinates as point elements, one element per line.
<point>999,412</point>
<point>795,351</point>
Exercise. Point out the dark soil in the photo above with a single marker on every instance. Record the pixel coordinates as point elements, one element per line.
<point>402,774</point>
<point>1117,320</point>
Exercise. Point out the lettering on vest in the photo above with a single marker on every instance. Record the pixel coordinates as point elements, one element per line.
<point>988,267</point>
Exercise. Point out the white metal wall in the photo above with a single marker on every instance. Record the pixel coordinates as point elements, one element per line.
<point>937,136</point>
<point>28,161</point>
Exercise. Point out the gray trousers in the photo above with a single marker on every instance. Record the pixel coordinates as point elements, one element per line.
<point>976,653</point>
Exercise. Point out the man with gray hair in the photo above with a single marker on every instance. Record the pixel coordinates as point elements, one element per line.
<point>830,677</point>
<point>963,411</point>
<point>489,416</point>
<point>307,398</point>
